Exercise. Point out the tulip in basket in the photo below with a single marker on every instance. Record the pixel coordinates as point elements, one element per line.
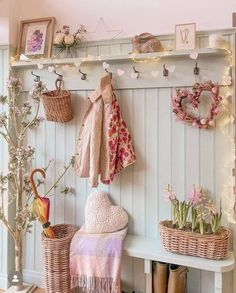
<point>201,236</point>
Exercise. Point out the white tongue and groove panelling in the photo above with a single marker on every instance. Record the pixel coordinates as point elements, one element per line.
<point>167,152</point>
<point>3,167</point>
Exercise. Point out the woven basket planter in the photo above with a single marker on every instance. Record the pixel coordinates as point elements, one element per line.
<point>56,253</point>
<point>57,105</point>
<point>189,243</point>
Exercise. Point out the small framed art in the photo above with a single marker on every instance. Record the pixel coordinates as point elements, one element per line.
<point>36,37</point>
<point>185,36</point>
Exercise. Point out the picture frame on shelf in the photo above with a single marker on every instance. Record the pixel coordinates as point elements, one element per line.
<point>36,38</point>
<point>185,36</point>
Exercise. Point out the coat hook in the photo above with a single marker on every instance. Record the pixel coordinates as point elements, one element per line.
<point>136,71</point>
<point>37,77</point>
<point>108,72</point>
<point>165,71</point>
<point>84,75</point>
<point>60,76</point>
<point>196,69</point>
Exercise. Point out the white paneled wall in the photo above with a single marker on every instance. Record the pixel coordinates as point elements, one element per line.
<point>167,152</point>
<point>3,168</point>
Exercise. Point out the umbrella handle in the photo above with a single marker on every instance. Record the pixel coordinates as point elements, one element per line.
<point>31,179</point>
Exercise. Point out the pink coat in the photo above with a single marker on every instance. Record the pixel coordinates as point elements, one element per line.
<point>104,145</point>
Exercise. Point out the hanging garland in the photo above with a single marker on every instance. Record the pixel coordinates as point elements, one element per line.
<point>194,98</point>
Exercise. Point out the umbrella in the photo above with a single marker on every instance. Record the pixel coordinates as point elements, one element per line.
<point>40,206</point>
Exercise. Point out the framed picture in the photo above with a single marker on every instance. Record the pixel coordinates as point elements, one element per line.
<point>36,38</point>
<point>185,36</point>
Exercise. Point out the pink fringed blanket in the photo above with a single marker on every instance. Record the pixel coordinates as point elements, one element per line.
<point>95,261</point>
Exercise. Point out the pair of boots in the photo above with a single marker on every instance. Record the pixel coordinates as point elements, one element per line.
<point>169,278</point>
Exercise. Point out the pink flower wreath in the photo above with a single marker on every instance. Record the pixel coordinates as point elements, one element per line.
<point>194,99</point>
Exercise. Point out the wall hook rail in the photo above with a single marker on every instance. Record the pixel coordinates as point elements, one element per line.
<point>60,76</point>
<point>136,71</point>
<point>107,71</point>
<point>84,75</point>
<point>37,77</point>
<point>196,69</point>
<point>165,71</point>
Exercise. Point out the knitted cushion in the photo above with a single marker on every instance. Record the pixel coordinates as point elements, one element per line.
<point>101,216</point>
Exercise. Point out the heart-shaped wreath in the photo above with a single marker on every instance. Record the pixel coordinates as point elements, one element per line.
<point>194,99</point>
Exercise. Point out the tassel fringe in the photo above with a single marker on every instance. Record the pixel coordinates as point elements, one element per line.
<point>94,284</point>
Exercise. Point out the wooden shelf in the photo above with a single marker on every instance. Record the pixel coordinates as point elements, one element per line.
<point>151,249</point>
<point>120,58</point>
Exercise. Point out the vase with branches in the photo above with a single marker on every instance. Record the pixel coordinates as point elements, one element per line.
<point>15,189</point>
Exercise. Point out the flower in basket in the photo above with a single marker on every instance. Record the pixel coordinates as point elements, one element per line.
<point>213,245</point>
<point>171,196</point>
<point>202,210</point>
<point>64,40</point>
<point>196,197</point>
<point>201,218</point>
<point>180,209</point>
<point>215,217</point>
<point>205,217</point>
<point>182,213</point>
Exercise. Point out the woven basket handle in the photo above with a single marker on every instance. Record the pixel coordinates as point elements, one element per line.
<point>31,179</point>
<point>58,84</point>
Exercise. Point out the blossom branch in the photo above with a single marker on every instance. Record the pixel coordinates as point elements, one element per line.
<point>31,122</point>
<point>8,226</point>
<point>60,177</point>
<point>5,137</point>
<point>9,135</point>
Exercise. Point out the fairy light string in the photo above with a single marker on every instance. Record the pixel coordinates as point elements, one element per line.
<point>226,126</point>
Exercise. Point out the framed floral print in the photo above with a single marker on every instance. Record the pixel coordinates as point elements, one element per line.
<point>185,36</point>
<point>36,38</point>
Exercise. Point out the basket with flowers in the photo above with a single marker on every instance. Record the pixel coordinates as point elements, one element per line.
<point>195,228</point>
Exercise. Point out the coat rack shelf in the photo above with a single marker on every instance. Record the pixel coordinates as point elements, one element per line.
<point>119,58</point>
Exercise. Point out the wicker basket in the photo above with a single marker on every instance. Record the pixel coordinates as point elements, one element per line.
<point>190,243</point>
<point>57,104</point>
<point>56,254</point>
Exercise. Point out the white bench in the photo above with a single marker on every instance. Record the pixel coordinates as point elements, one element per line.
<point>151,250</point>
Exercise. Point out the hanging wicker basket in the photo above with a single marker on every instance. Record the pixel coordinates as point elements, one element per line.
<point>57,104</point>
<point>212,246</point>
<point>56,253</point>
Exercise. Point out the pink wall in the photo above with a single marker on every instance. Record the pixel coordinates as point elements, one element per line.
<point>3,30</point>
<point>4,11</point>
<point>132,16</point>
<point>155,16</point>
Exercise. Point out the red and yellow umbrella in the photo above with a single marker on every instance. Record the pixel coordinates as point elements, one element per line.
<point>40,206</point>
